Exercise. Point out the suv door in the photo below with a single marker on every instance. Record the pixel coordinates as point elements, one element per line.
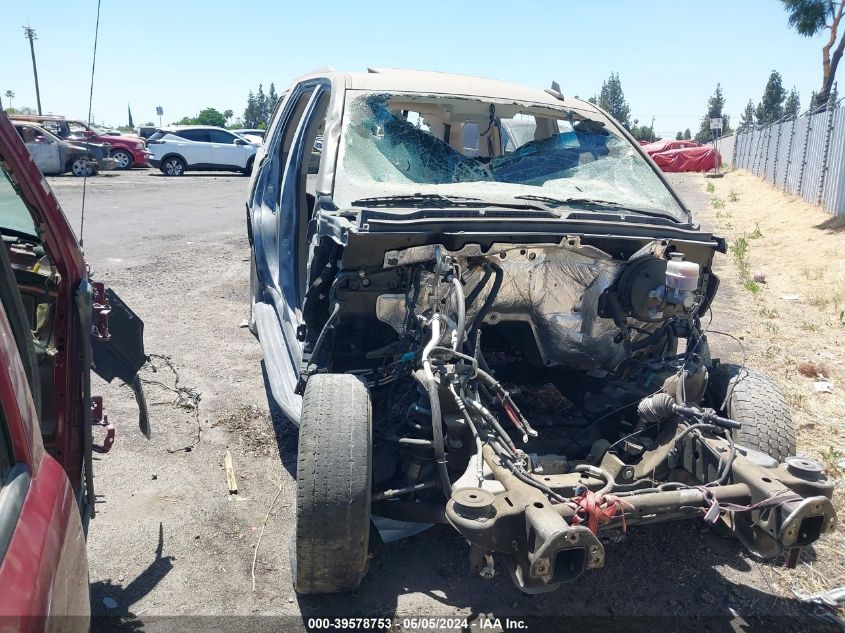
<point>225,152</point>
<point>194,146</point>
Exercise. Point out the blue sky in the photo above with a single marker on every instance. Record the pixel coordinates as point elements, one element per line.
<point>190,54</point>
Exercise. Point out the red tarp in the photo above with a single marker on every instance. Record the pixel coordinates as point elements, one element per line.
<point>665,146</point>
<point>703,158</point>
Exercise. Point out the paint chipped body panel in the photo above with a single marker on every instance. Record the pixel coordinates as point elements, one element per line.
<point>510,275</point>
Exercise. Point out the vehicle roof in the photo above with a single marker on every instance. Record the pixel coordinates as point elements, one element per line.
<point>40,128</point>
<point>36,117</point>
<point>430,82</point>
<point>194,127</point>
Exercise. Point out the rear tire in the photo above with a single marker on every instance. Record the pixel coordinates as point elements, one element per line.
<point>752,398</point>
<point>334,471</point>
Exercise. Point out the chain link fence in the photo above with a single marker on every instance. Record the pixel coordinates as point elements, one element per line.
<point>804,156</point>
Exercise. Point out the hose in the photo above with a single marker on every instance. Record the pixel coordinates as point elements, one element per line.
<point>491,419</point>
<point>329,322</point>
<point>478,445</point>
<point>430,385</point>
<point>461,303</point>
<point>600,473</point>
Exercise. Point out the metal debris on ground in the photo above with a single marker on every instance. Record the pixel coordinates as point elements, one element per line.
<point>187,398</point>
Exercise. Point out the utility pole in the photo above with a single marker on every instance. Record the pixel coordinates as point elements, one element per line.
<point>29,33</point>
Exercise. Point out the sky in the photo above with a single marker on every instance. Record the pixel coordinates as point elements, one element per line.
<point>186,55</point>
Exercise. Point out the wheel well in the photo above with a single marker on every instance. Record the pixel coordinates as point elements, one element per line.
<point>174,155</point>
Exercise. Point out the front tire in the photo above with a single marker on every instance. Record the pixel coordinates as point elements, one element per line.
<point>123,158</point>
<point>752,398</point>
<point>173,166</point>
<point>334,472</point>
<point>248,168</point>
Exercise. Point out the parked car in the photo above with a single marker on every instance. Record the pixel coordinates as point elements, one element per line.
<point>53,156</point>
<point>128,151</point>
<point>184,148</point>
<point>55,323</point>
<point>492,341</point>
<point>254,135</point>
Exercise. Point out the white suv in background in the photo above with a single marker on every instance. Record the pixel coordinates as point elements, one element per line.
<point>182,148</point>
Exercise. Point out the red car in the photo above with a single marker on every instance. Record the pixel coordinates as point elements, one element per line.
<point>127,150</point>
<point>55,326</point>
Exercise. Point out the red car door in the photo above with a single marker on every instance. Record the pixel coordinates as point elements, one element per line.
<point>43,564</point>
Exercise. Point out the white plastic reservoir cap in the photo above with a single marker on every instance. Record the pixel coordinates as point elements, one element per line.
<point>681,274</point>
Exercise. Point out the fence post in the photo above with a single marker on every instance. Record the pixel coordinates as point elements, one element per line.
<point>766,156</point>
<point>789,153</point>
<point>733,150</point>
<point>777,153</point>
<point>756,144</point>
<point>826,151</point>
<point>804,153</point>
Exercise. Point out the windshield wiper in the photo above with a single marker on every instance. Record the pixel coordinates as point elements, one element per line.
<point>430,199</point>
<point>444,201</point>
<point>592,203</point>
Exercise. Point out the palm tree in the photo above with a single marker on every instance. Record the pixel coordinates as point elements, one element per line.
<point>10,95</point>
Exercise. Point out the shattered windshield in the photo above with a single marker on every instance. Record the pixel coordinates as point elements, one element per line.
<point>403,145</point>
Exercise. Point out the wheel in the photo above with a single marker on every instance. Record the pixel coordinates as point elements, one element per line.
<point>173,166</point>
<point>256,292</point>
<point>82,167</point>
<point>751,398</point>
<point>249,164</point>
<point>333,475</point>
<point>123,158</point>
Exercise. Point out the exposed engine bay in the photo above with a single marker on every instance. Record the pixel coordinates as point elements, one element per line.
<point>548,391</point>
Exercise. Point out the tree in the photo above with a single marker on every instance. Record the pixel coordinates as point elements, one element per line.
<point>10,95</point>
<point>643,132</point>
<point>130,124</point>
<point>715,110</point>
<point>687,135</point>
<point>261,106</point>
<point>272,97</point>
<point>251,114</point>
<point>208,116</point>
<point>746,119</point>
<point>810,17</point>
<point>770,108</point>
<point>679,136</point>
<point>612,99</point>
<point>792,105</point>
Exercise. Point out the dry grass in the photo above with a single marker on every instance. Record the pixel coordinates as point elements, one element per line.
<point>800,249</point>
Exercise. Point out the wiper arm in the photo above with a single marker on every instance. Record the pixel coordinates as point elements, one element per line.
<point>595,204</point>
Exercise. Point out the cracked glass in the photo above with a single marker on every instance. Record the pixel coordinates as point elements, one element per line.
<point>403,145</point>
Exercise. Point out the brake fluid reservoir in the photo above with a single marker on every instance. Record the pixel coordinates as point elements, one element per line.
<point>680,274</point>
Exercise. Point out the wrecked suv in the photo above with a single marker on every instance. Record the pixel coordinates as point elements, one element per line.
<point>503,332</point>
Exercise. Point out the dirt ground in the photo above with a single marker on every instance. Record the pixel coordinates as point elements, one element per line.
<point>169,541</point>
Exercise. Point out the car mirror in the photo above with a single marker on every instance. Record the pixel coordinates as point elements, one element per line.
<point>240,141</point>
